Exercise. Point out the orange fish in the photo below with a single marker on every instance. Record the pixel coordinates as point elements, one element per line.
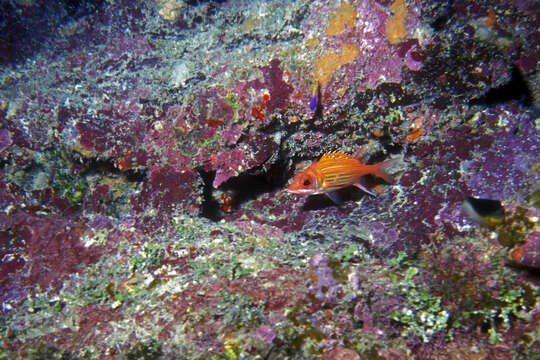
<point>335,171</point>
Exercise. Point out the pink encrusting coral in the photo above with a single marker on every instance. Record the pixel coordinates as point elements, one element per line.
<point>145,149</point>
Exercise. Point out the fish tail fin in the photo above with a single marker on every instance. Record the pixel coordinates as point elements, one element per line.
<point>378,169</point>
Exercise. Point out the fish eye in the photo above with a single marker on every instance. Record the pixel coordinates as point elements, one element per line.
<point>307,182</point>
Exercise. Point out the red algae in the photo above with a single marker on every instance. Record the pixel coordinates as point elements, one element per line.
<point>183,174</point>
<point>278,88</point>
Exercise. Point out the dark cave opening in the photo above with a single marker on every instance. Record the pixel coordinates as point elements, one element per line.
<point>516,89</point>
<point>241,189</point>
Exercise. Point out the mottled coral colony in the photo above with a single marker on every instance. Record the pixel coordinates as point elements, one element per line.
<point>146,148</point>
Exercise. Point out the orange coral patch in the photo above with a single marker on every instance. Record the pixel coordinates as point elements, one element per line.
<point>327,64</point>
<point>255,112</point>
<point>325,67</point>
<point>122,163</point>
<point>491,19</point>
<point>344,16</point>
<point>348,53</point>
<point>415,135</point>
<point>378,133</point>
<point>226,202</point>
<point>313,277</point>
<point>214,123</point>
<point>395,26</point>
<point>293,119</point>
<point>517,255</point>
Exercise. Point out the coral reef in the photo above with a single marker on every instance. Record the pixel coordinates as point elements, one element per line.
<point>145,149</point>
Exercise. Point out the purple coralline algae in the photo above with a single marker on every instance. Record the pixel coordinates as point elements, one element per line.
<point>528,254</point>
<point>322,283</point>
<point>145,149</point>
<point>246,155</point>
<point>506,171</point>
<point>265,333</point>
<point>5,139</point>
<point>167,188</point>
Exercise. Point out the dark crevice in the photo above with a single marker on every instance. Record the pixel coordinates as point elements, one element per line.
<point>248,187</point>
<point>77,9</point>
<point>25,29</point>
<point>210,208</point>
<point>242,188</point>
<point>390,145</point>
<point>268,178</point>
<point>93,166</point>
<point>390,93</point>
<point>516,89</point>
<point>441,15</point>
<point>319,202</point>
<point>349,193</point>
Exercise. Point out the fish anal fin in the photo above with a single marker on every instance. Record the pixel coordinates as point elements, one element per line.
<point>360,184</point>
<point>335,197</point>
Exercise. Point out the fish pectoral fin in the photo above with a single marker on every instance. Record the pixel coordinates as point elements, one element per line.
<point>335,197</point>
<point>362,187</point>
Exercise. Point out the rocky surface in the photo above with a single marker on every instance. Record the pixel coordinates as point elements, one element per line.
<point>145,147</point>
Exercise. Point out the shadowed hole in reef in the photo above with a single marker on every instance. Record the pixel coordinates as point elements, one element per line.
<point>106,167</point>
<point>78,8</point>
<point>27,27</point>
<point>210,208</point>
<point>242,188</point>
<point>515,89</point>
<point>102,169</point>
<point>441,14</point>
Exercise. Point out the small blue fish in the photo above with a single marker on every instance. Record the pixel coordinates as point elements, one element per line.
<point>314,97</point>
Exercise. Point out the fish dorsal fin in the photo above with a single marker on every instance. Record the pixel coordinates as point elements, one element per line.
<point>333,156</point>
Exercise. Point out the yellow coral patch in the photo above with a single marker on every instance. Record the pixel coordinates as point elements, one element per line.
<point>345,15</point>
<point>171,9</point>
<point>348,53</point>
<point>312,42</point>
<point>327,64</point>
<point>250,24</point>
<point>395,26</point>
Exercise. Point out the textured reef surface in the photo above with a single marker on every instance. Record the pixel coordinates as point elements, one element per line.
<point>146,147</point>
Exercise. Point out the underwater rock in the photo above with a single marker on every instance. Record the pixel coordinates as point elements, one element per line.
<point>146,147</point>
<point>529,253</point>
<point>5,139</point>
